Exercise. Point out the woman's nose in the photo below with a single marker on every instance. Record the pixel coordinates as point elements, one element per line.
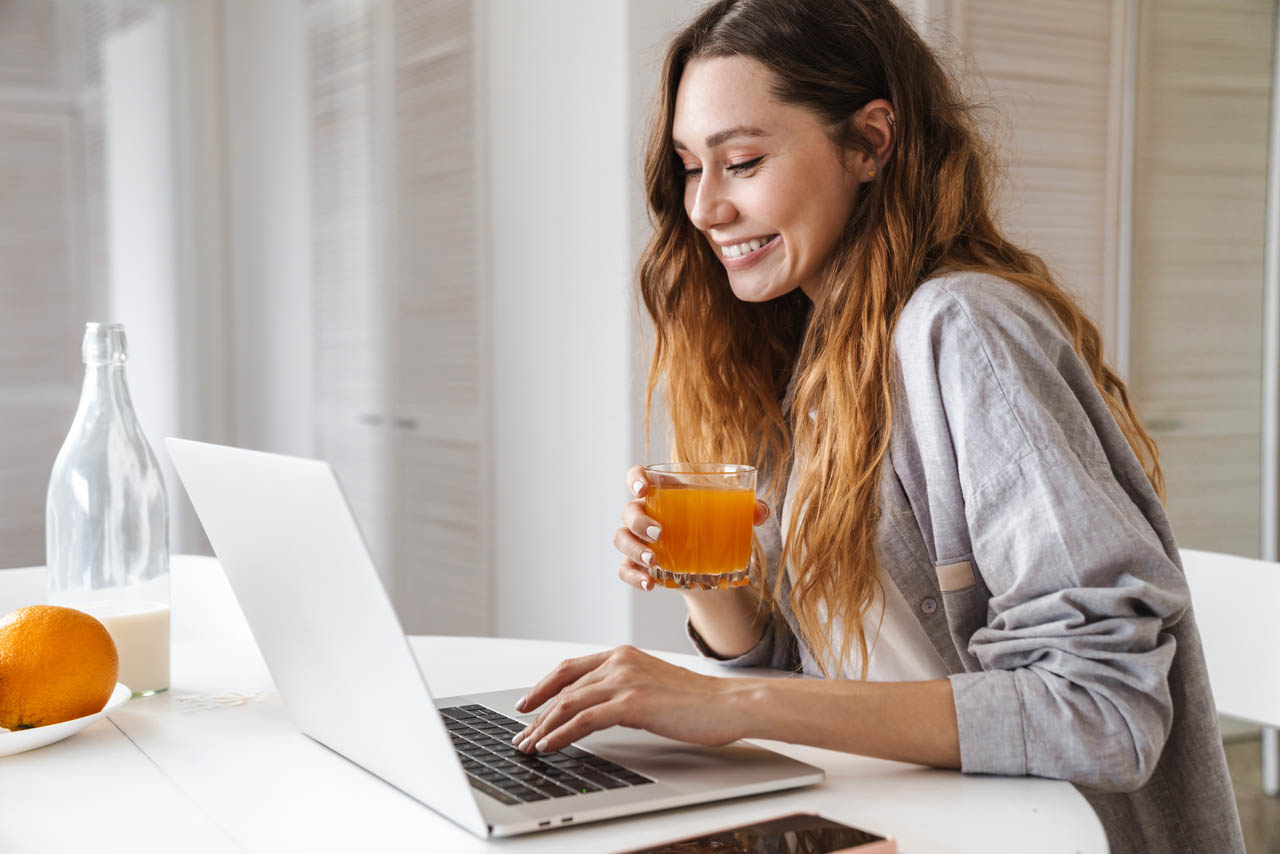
<point>709,206</point>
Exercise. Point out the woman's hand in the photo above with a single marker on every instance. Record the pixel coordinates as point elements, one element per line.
<point>626,687</point>
<point>639,532</point>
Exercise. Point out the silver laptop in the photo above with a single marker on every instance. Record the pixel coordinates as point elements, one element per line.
<point>299,568</point>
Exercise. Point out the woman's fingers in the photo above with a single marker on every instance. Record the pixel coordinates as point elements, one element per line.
<point>600,714</point>
<point>565,673</point>
<point>637,481</point>
<point>570,702</point>
<point>636,536</point>
<point>638,553</point>
<point>636,577</point>
<point>635,520</point>
<point>627,687</point>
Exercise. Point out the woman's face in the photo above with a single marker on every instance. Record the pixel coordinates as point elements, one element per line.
<point>763,182</point>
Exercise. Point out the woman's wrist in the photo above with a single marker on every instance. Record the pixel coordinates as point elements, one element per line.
<point>901,721</point>
<point>744,704</point>
<point>730,622</point>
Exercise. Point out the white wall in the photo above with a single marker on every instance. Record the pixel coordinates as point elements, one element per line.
<point>268,214</point>
<point>141,237</point>
<point>561,265</point>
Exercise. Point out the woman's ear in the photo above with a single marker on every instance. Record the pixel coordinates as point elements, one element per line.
<point>878,123</point>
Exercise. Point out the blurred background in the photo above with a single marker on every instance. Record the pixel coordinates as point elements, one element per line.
<point>400,235</point>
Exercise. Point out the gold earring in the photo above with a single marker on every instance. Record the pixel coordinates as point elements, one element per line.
<point>871,174</point>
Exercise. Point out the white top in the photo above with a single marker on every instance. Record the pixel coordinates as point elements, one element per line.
<point>899,650</point>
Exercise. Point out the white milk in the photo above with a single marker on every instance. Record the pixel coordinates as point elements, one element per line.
<point>141,634</point>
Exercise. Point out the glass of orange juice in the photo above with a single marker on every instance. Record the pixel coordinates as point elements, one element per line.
<point>706,512</point>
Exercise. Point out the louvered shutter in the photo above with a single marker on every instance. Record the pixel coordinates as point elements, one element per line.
<point>400,354</point>
<point>1054,73</point>
<point>40,298</point>
<point>440,412</point>
<point>1204,87</point>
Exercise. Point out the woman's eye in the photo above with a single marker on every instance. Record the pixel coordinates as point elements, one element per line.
<point>745,166</point>
<point>691,172</point>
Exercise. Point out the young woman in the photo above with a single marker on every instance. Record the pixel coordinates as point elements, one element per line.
<point>971,546</point>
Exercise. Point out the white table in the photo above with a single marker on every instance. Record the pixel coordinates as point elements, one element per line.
<point>214,764</point>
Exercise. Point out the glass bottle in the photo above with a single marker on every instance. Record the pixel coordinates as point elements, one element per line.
<point>107,518</point>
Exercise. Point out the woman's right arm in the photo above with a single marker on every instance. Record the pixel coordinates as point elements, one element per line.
<point>730,622</point>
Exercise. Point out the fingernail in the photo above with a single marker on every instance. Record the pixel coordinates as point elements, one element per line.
<point>647,584</point>
<point>646,558</point>
<point>637,486</point>
<point>653,532</point>
<point>519,737</point>
<point>520,704</point>
<point>541,746</point>
<point>524,745</point>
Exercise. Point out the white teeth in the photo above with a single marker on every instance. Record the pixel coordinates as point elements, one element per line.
<point>743,248</point>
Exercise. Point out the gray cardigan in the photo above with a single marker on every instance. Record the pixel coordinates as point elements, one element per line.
<point>1018,521</point>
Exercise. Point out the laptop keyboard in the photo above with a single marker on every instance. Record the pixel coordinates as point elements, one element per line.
<point>482,738</point>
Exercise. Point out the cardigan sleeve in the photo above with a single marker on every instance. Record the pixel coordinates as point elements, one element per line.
<point>776,648</point>
<point>1016,464</point>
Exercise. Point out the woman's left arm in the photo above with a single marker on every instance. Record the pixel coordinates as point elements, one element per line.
<point>905,721</point>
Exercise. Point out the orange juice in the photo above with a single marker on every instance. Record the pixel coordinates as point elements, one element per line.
<point>706,535</point>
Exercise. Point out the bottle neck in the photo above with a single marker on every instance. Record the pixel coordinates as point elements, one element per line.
<point>104,388</point>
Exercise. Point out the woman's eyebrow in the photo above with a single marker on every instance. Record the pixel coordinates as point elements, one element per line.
<point>723,136</point>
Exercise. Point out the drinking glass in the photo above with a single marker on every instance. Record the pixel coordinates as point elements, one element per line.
<point>706,511</point>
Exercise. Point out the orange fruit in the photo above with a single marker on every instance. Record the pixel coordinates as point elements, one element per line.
<point>55,664</point>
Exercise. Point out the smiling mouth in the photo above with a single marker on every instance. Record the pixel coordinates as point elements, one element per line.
<point>745,254</point>
<point>738,250</point>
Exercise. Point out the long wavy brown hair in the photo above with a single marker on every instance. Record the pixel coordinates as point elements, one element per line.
<point>724,365</point>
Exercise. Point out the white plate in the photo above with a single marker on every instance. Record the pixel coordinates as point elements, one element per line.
<point>29,739</point>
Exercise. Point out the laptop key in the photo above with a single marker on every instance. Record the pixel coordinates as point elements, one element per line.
<point>553,790</point>
<point>529,795</point>
<point>527,761</point>
<point>509,770</point>
<point>613,784</point>
<point>633,778</point>
<point>509,753</point>
<point>559,759</point>
<point>567,782</point>
<point>492,791</point>
<point>611,769</point>
<point>575,752</point>
<point>609,782</point>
